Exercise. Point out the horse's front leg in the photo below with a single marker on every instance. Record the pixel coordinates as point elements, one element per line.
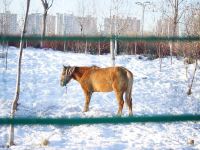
<point>87,100</point>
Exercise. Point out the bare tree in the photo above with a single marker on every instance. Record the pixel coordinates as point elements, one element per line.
<point>174,11</point>
<point>115,27</point>
<point>176,14</point>
<point>100,34</point>
<point>17,92</point>
<point>192,27</point>
<point>82,13</point>
<point>192,20</point>
<point>46,5</point>
<point>81,21</point>
<point>86,18</point>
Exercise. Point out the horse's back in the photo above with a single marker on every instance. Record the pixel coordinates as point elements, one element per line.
<point>105,79</point>
<point>101,79</point>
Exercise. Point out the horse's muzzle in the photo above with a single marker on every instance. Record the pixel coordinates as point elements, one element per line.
<point>62,84</point>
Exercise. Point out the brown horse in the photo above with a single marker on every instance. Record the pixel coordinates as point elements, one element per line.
<point>95,79</point>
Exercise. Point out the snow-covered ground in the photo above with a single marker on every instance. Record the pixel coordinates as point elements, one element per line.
<point>154,92</point>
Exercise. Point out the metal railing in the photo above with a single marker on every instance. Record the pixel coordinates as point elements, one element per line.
<point>100,120</point>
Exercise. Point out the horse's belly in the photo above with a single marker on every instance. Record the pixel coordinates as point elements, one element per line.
<point>103,88</point>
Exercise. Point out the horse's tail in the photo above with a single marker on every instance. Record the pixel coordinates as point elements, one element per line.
<point>128,91</point>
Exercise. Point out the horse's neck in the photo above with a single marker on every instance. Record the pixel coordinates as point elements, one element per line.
<point>78,73</point>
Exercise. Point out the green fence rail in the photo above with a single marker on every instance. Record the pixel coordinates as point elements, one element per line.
<point>100,38</point>
<point>100,120</point>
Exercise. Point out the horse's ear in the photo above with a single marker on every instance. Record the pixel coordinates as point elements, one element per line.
<point>64,66</point>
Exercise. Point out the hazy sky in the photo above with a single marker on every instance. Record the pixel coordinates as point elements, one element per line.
<point>99,8</point>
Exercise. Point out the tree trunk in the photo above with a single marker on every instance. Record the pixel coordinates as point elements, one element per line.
<point>195,69</point>
<point>6,55</point>
<point>64,46</point>
<point>15,101</point>
<point>135,48</point>
<point>175,22</point>
<point>171,49</point>
<point>185,62</point>
<point>160,57</point>
<point>112,52</point>
<point>44,26</point>
<point>44,23</point>
<point>99,47</point>
<point>190,86</point>
<point>86,46</point>
<point>116,48</point>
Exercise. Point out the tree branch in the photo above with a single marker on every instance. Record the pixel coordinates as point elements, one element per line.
<point>51,4</point>
<point>180,2</point>
<point>43,3</point>
<point>180,16</point>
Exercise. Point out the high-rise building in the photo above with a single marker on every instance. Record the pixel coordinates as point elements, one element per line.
<point>59,24</point>
<point>123,26</point>
<point>68,24</point>
<point>8,23</point>
<point>34,24</point>
<point>50,25</point>
<point>71,25</point>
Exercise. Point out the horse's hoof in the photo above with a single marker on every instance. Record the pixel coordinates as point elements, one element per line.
<point>130,115</point>
<point>85,110</point>
<point>119,114</point>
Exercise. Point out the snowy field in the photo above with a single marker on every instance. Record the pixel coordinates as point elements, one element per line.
<point>154,92</point>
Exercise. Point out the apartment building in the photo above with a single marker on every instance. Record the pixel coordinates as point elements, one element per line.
<point>8,23</point>
<point>121,25</point>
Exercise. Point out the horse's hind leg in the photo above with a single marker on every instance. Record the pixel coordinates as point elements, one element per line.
<point>119,96</point>
<point>128,93</point>
<point>129,104</point>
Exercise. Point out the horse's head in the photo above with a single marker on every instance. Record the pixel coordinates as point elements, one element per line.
<point>66,75</point>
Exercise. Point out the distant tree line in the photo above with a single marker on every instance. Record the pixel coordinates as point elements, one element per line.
<point>151,49</point>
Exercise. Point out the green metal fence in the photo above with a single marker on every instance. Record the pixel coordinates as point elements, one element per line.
<point>100,38</point>
<point>101,120</point>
